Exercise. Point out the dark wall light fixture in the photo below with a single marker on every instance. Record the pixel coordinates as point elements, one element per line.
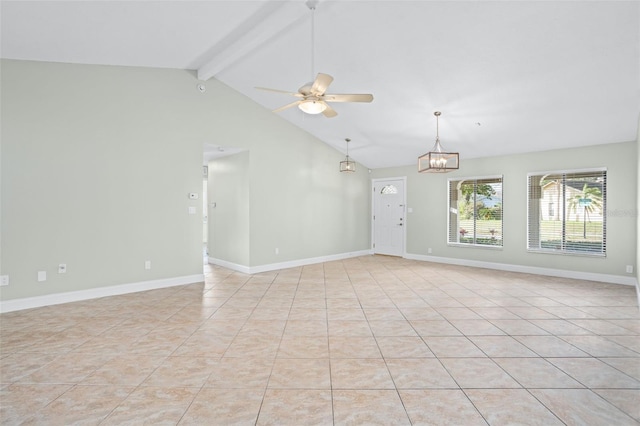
<point>347,165</point>
<point>437,160</point>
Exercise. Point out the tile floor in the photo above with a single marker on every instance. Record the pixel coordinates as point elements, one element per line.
<point>370,340</point>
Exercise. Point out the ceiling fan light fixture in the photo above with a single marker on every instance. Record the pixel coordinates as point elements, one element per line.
<point>437,160</point>
<point>348,165</point>
<point>312,106</point>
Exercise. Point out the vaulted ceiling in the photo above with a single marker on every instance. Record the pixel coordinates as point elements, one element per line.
<point>509,77</point>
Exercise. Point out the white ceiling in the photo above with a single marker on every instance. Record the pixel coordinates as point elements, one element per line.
<point>509,77</point>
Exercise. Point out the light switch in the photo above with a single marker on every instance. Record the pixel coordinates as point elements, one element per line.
<point>42,276</point>
<point>192,210</point>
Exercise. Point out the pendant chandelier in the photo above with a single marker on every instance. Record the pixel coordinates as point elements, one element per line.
<point>348,165</point>
<point>437,160</point>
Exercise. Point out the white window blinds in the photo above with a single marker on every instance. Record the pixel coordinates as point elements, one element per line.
<point>567,212</point>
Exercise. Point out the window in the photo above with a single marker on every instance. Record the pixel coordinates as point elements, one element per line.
<point>567,212</point>
<point>388,190</point>
<point>475,211</point>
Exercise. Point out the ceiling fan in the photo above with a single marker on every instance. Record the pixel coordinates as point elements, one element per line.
<point>313,98</point>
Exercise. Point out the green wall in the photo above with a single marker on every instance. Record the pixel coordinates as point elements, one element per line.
<point>228,186</point>
<point>637,213</point>
<point>427,196</point>
<point>98,162</point>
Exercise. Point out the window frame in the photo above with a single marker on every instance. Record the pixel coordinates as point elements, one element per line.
<point>563,251</point>
<point>450,214</point>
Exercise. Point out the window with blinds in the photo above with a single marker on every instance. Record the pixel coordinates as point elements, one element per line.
<point>475,211</point>
<point>567,212</point>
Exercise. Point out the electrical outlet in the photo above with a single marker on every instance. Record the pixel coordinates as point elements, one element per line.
<point>147,264</point>
<point>4,280</point>
<point>629,269</point>
<point>277,250</point>
<point>429,250</point>
<point>62,268</point>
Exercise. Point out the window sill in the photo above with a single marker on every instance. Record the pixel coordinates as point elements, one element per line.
<point>567,253</point>
<point>480,246</point>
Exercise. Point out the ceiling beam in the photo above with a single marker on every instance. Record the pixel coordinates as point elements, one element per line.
<point>265,24</point>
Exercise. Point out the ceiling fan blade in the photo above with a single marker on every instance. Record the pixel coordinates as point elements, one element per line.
<point>349,98</point>
<point>280,91</point>
<point>321,84</point>
<point>282,108</point>
<point>329,112</point>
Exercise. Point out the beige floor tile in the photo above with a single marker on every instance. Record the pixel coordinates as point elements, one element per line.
<point>581,407</point>
<point>300,374</point>
<point>303,347</point>
<point>383,314</point>
<point>296,407</point>
<point>226,406</point>
<point>497,312</point>
<point>403,347</point>
<point>308,328</point>
<point>550,346</point>
<point>594,373</point>
<point>445,347</point>
<point>561,327</point>
<point>519,327</point>
<point>152,406</point>
<point>439,407</point>
<point>625,400</point>
<point>256,327</point>
<point>204,343</point>
<point>222,327</point>
<point>353,347</point>
<point>477,327</point>
<point>501,346</point>
<point>287,341</point>
<point>419,373</point>
<point>511,407</point>
<point>458,314</point>
<point>19,401</point>
<point>340,314</point>
<point>368,407</point>
<point>81,405</point>
<point>181,371</point>
<point>253,347</point>
<point>479,373</point>
<point>434,328</point>
<point>531,312</point>
<point>360,374</point>
<point>127,370</point>
<point>536,373</point>
<point>15,366</point>
<point>349,328</point>
<point>240,373</point>
<point>629,366</point>
<point>600,346</point>
<point>602,327</point>
<point>68,368</point>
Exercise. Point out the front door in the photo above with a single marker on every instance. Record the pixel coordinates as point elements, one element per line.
<point>388,216</point>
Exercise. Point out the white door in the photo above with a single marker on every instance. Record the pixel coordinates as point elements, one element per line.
<point>388,216</point>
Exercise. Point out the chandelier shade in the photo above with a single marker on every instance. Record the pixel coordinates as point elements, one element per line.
<point>438,160</point>
<point>348,165</point>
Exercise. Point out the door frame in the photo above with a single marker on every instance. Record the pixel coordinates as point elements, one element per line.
<point>404,212</point>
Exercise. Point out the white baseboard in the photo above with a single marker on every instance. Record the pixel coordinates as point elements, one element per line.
<point>94,293</point>
<point>589,276</point>
<point>289,264</point>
